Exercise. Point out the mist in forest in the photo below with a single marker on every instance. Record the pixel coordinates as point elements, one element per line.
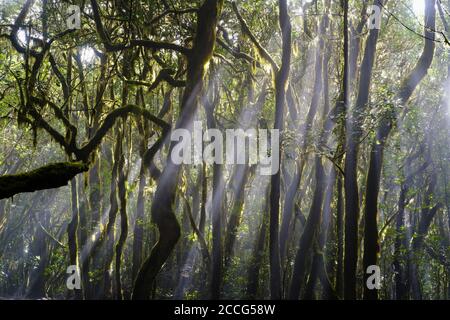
<point>218,149</point>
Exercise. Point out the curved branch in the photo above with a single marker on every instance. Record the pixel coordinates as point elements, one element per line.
<point>235,53</point>
<point>41,123</point>
<point>163,75</point>
<point>110,120</point>
<point>60,115</point>
<point>426,58</point>
<point>261,50</point>
<point>60,76</point>
<point>201,238</point>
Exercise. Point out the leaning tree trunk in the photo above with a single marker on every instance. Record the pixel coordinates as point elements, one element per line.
<point>254,268</point>
<point>401,236</point>
<point>291,193</point>
<point>281,80</point>
<point>318,262</point>
<point>318,269</point>
<point>427,214</point>
<point>240,179</point>
<point>128,65</point>
<point>242,173</point>
<point>138,231</point>
<point>109,233</point>
<point>313,221</point>
<point>163,201</point>
<point>376,156</point>
<point>309,233</point>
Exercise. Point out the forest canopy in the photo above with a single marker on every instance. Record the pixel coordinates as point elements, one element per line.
<point>217,149</point>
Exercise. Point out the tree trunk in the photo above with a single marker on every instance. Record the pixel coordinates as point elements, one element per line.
<point>281,80</point>
<point>72,240</point>
<point>293,187</point>
<point>241,176</point>
<point>258,252</point>
<point>123,223</point>
<point>354,133</point>
<point>162,205</point>
<point>371,246</point>
<point>217,210</point>
<point>309,233</point>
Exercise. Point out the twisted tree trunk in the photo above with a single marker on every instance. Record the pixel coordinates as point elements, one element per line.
<point>371,246</point>
<point>163,201</point>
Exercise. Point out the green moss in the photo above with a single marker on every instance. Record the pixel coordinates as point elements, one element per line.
<point>50,176</point>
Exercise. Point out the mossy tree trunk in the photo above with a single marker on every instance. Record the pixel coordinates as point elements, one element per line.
<point>281,81</point>
<point>371,245</point>
<point>162,206</point>
<point>354,134</point>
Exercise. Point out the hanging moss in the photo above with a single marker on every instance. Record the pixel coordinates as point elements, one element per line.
<point>50,176</point>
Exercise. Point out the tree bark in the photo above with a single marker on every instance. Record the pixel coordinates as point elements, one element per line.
<point>371,246</point>
<point>72,228</point>
<point>162,205</point>
<point>354,133</point>
<point>281,80</point>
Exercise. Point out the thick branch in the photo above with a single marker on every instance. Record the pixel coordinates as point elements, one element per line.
<point>60,115</point>
<point>48,177</point>
<point>41,123</point>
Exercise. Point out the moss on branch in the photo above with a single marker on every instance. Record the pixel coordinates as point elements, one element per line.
<point>47,177</point>
<point>114,47</point>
